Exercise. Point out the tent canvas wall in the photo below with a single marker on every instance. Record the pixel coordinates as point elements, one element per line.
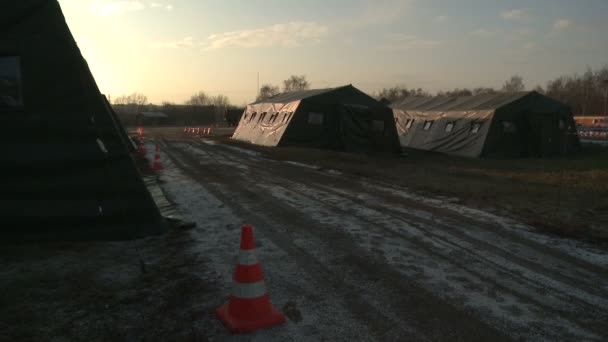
<point>341,118</point>
<point>65,160</point>
<point>502,124</point>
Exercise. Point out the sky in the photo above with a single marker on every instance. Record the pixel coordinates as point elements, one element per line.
<point>171,49</point>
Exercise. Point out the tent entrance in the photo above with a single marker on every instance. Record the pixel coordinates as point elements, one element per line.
<point>544,134</point>
<point>355,128</point>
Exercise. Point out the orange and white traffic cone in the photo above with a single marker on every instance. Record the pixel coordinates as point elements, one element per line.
<point>209,131</point>
<point>185,129</point>
<point>157,165</point>
<point>198,131</point>
<point>249,306</point>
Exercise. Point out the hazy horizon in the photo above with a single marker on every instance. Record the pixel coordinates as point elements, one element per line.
<point>168,50</point>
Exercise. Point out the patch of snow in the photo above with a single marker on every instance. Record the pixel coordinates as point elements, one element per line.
<point>218,233</point>
<point>209,142</point>
<point>102,146</point>
<point>313,167</point>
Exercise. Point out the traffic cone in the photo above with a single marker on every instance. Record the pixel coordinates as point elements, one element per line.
<point>198,131</point>
<point>157,165</point>
<point>249,306</point>
<point>185,129</point>
<point>209,132</point>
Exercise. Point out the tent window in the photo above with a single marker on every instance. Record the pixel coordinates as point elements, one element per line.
<point>253,116</point>
<point>396,119</point>
<point>428,124</point>
<point>475,127</point>
<point>287,117</point>
<point>378,125</point>
<point>409,123</point>
<point>509,127</point>
<point>245,117</point>
<point>10,83</point>
<point>261,119</point>
<point>450,126</point>
<point>315,118</point>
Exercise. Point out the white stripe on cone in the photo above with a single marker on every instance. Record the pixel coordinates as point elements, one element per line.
<point>249,290</point>
<point>247,257</point>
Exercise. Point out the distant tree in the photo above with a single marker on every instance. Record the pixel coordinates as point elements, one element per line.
<point>220,101</point>
<point>516,83</point>
<point>482,90</point>
<point>134,99</point>
<point>456,92</point>
<point>199,99</point>
<point>267,91</point>
<point>295,83</point>
<point>398,93</point>
<point>539,89</point>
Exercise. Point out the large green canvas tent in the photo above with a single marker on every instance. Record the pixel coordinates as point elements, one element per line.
<point>502,124</point>
<point>66,167</point>
<point>341,118</point>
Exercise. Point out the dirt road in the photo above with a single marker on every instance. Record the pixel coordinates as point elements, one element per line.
<point>358,259</point>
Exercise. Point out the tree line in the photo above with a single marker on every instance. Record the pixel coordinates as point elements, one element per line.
<point>586,94</point>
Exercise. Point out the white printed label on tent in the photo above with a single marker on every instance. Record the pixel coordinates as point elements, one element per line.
<point>10,83</point>
<point>315,118</point>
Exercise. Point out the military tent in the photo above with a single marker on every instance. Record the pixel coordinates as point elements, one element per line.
<point>64,156</point>
<point>341,118</point>
<point>502,124</point>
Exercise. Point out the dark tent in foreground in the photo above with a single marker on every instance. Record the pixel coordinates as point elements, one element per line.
<point>66,167</point>
<point>524,124</point>
<point>341,118</point>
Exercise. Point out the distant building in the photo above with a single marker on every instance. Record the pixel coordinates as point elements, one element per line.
<point>151,118</point>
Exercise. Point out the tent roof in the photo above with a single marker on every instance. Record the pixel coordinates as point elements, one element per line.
<point>455,103</point>
<point>298,95</point>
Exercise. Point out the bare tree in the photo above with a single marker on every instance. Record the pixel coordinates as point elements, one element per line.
<point>539,89</point>
<point>398,93</point>
<point>199,99</point>
<point>267,91</point>
<point>295,83</point>
<point>516,83</point>
<point>456,92</point>
<point>134,98</point>
<point>483,90</point>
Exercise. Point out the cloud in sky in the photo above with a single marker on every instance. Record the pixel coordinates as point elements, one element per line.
<point>562,24</point>
<point>441,19</point>
<point>291,34</point>
<point>108,7</point>
<point>515,14</point>
<point>482,32</point>
<point>400,42</point>
<point>105,8</point>
<point>177,44</point>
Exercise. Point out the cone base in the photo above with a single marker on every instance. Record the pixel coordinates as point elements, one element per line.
<point>241,326</point>
<point>157,166</point>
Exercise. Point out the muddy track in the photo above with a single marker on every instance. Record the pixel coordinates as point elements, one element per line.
<point>508,273</point>
<point>558,286</point>
<point>414,313</point>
